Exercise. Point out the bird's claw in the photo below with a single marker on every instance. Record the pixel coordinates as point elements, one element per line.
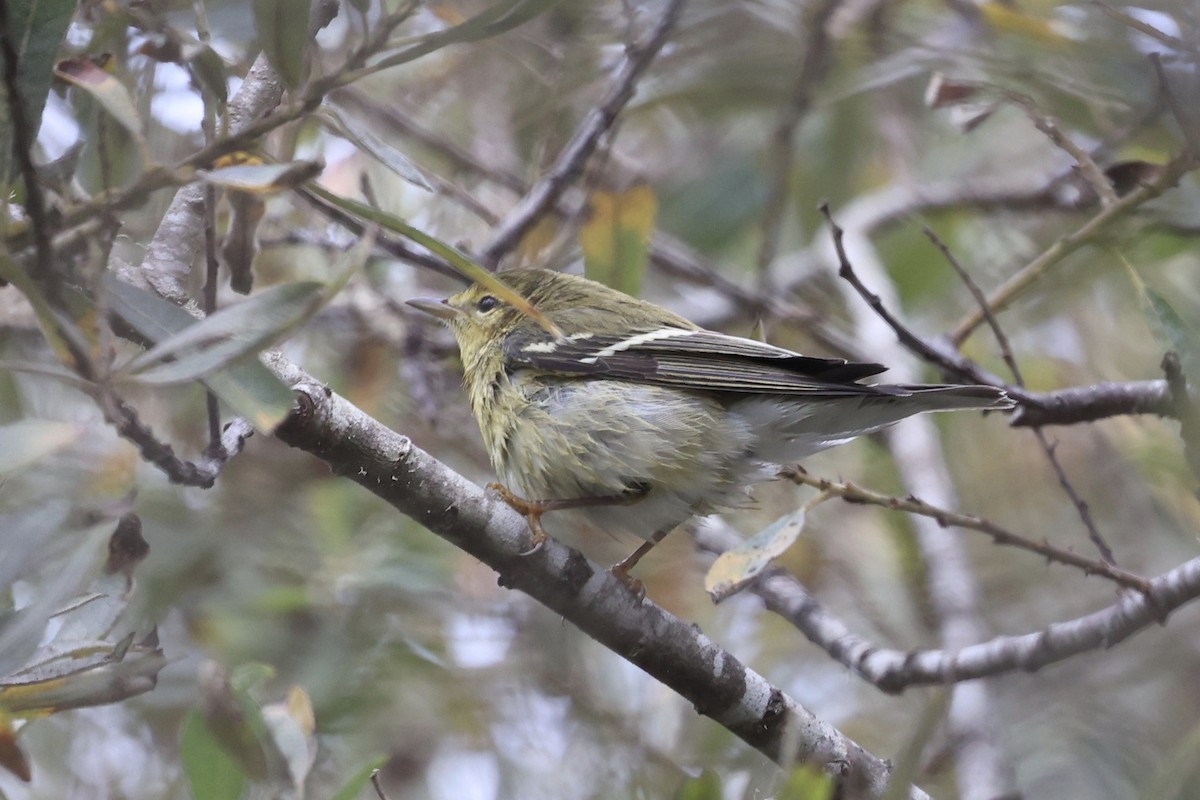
<point>531,509</point>
<point>634,585</point>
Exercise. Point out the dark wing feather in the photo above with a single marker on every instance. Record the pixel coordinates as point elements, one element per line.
<point>692,359</point>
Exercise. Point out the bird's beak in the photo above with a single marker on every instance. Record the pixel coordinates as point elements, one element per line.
<point>435,307</point>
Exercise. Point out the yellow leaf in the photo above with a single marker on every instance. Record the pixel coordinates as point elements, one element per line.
<point>616,237</point>
<point>1005,18</point>
<point>537,239</point>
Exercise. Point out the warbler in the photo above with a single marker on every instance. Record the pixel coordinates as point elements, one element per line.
<point>640,419</point>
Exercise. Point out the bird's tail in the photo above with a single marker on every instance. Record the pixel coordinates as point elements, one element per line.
<point>934,397</point>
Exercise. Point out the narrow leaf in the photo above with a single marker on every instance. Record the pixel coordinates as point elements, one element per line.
<point>228,334</point>
<point>30,440</point>
<point>37,27</point>
<point>455,257</point>
<point>346,126</point>
<point>212,773</point>
<point>249,389</point>
<point>263,178</point>
<point>352,788</point>
<point>282,28</point>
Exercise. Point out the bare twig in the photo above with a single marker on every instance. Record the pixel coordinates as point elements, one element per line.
<point>153,450</point>
<point>895,671</point>
<point>569,166</point>
<point>999,535</point>
<point>983,767</point>
<point>1091,172</point>
<point>780,153</point>
<point>1081,506</point>
<point>1143,27</point>
<point>940,355</point>
<point>1090,403</point>
<point>1097,226</point>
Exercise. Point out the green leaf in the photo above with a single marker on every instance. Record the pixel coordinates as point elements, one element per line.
<point>282,28</point>
<point>1179,769</point>
<point>228,334</point>
<point>263,178</point>
<point>37,27</point>
<point>907,765</point>
<point>353,787</point>
<point>252,392</point>
<point>48,321</point>
<point>807,782</point>
<point>1177,334</point>
<point>455,257</point>
<point>346,126</point>
<point>211,772</point>
<point>30,440</point>
<point>249,389</point>
<point>493,21</point>
<point>737,566</point>
<point>706,786</point>
<point>21,633</point>
<point>209,69</point>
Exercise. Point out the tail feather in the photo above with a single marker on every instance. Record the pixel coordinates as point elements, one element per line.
<point>788,431</point>
<point>949,397</point>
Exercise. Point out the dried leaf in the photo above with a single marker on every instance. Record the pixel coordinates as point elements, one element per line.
<point>736,567</point>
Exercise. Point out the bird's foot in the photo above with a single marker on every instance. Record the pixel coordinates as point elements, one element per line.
<point>531,509</point>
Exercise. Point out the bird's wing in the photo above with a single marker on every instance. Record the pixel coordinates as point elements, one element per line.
<point>692,359</point>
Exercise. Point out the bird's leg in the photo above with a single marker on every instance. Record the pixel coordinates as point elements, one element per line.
<point>620,570</point>
<point>534,509</point>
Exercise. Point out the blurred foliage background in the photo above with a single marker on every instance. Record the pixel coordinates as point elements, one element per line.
<point>289,595</point>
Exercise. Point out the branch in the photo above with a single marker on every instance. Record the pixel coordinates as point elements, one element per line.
<point>674,652</point>
<point>1090,403</point>
<point>543,196</point>
<point>999,535</point>
<point>781,152</point>
<point>895,671</point>
<point>1099,225</point>
<point>983,769</point>
<point>1006,351</point>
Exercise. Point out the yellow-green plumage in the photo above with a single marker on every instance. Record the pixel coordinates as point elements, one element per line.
<point>635,400</point>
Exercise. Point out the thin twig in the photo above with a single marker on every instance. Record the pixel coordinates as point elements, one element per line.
<point>895,671</point>
<point>1081,506</point>
<point>569,166</point>
<point>1087,165</point>
<point>999,535</point>
<point>1143,27</point>
<point>781,152</point>
<point>943,356</point>
<point>1099,225</point>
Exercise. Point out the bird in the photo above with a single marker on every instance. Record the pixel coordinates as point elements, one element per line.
<point>637,418</point>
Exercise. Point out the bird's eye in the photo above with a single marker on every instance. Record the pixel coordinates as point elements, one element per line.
<point>487,303</point>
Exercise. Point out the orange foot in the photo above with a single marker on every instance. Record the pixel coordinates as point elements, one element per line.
<point>533,511</point>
